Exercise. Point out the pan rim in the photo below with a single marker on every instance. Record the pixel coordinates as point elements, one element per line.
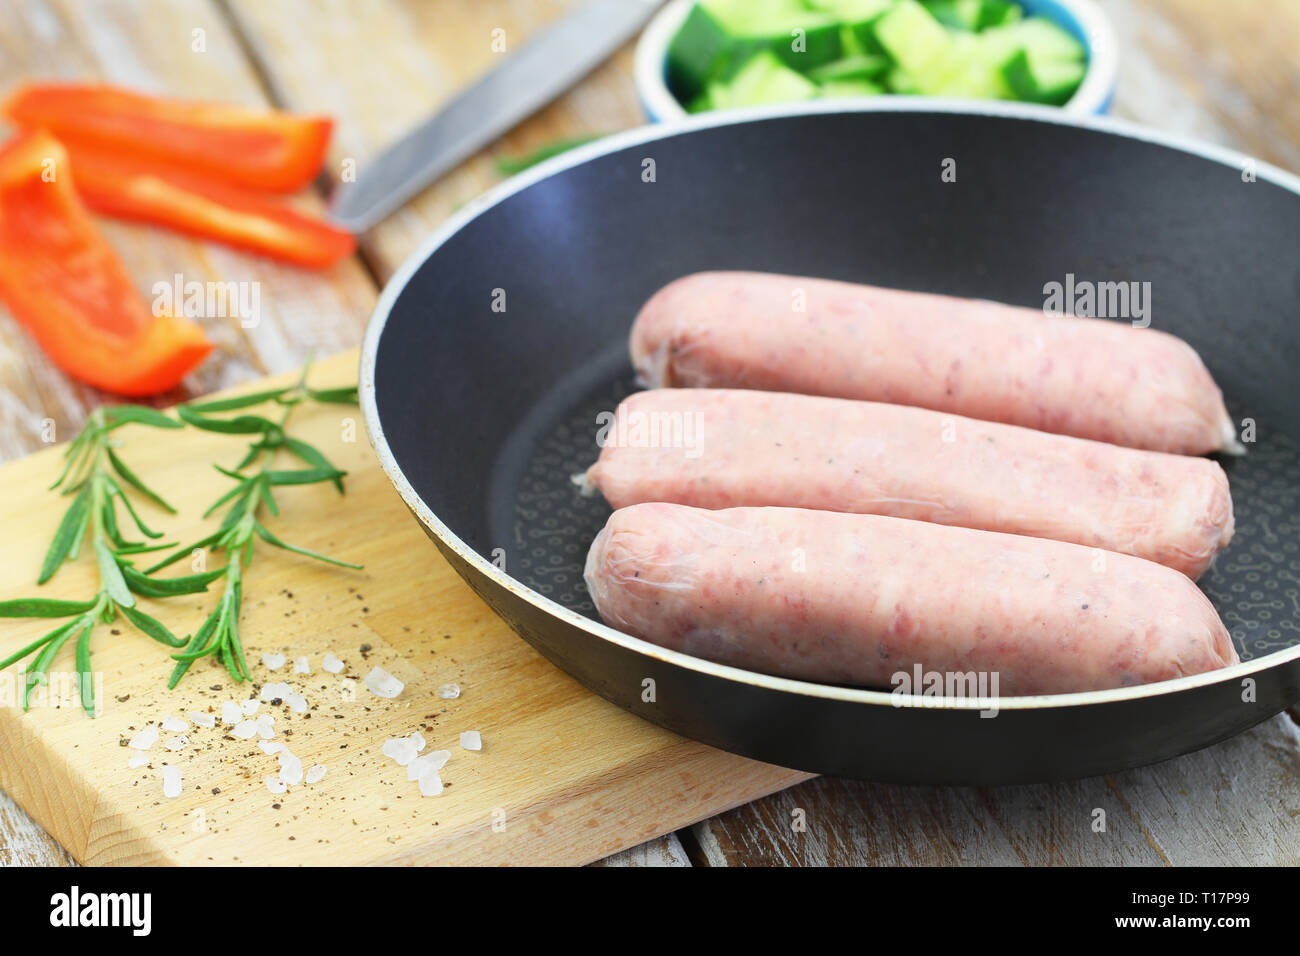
<point>398,281</point>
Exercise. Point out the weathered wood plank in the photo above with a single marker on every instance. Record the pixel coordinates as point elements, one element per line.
<point>1232,804</point>
<point>664,851</point>
<point>24,843</point>
<point>1226,72</point>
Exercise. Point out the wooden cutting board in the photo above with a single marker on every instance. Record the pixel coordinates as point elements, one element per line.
<point>563,777</point>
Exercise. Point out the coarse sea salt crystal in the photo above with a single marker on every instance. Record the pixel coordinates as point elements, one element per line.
<point>315,773</point>
<point>273,662</point>
<point>300,666</point>
<point>249,707</point>
<point>145,739</point>
<point>171,778</point>
<point>271,748</point>
<point>471,740</point>
<point>434,760</point>
<point>430,783</point>
<point>203,720</point>
<point>383,684</point>
<point>231,713</point>
<point>137,760</point>
<point>174,724</point>
<point>276,785</point>
<point>297,703</point>
<point>291,769</point>
<point>275,690</point>
<point>176,743</point>
<point>449,691</point>
<point>332,664</point>
<point>265,725</point>
<point>401,749</point>
<point>418,739</point>
<point>245,729</point>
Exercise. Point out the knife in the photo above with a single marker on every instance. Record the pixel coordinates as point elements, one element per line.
<point>547,65</point>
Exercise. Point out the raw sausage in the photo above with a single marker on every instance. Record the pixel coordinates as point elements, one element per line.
<point>856,599</point>
<point>721,448</point>
<point>1091,378</point>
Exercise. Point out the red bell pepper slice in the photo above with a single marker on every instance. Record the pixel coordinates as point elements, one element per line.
<point>266,150</point>
<point>62,280</point>
<point>200,207</point>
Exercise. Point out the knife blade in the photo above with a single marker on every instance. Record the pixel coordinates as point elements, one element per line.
<point>545,66</point>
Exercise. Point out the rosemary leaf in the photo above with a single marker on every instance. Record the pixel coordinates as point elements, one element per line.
<point>74,456</point>
<point>270,538</point>
<point>199,641</point>
<point>127,475</point>
<point>118,415</point>
<point>80,534</point>
<point>66,535</point>
<point>110,575</point>
<point>313,456</point>
<point>85,682</point>
<point>240,489</point>
<point>335,396</point>
<point>43,607</point>
<point>239,401</point>
<point>264,490</point>
<point>239,425</point>
<point>167,587</point>
<point>152,627</point>
<point>36,671</point>
<point>39,642</point>
<point>183,552</point>
<point>254,449</point>
<point>130,509</point>
<point>303,476</point>
<point>145,548</point>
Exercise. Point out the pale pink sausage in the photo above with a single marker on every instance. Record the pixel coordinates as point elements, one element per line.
<point>1091,378</point>
<point>721,448</point>
<point>856,599</point>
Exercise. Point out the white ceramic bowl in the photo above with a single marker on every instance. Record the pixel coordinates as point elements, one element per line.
<point>1083,18</point>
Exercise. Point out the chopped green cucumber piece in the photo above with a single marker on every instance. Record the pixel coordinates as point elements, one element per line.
<point>1046,41</point>
<point>761,80</point>
<point>718,37</point>
<point>835,89</point>
<point>964,73</point>
<point>851,9</point>
<point>753,17</point>
<point>901,82</point>
<point>995,13</point>
<point>694,51</point>
<point>701,104</point>
<point>857,22</point>
<point>863,66</point>
<point>810,41</point>
<point>951,13</point>
<point>973,15</point>
<point>1039,81</point>
<point>912,37</point>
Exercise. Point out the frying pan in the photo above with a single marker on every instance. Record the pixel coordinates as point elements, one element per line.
<point>495,346</point>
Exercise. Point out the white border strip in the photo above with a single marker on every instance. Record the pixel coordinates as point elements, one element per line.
<point>645,134</point>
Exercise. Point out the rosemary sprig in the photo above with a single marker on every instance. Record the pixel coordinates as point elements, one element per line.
<point>96,478</point>
<point>240,525</point>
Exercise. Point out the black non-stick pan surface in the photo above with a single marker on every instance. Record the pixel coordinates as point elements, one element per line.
<point>495,347</point>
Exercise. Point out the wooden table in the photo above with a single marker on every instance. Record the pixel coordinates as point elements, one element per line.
<point>1226,72</point>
